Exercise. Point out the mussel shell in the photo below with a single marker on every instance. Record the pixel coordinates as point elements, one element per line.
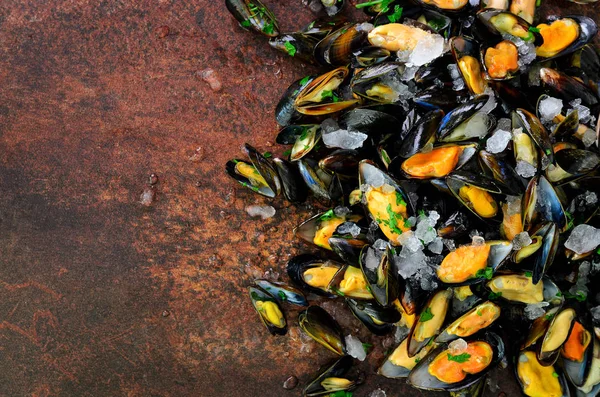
<point>587,31</point>
<point>260,20</point>
<point>389,369</point>
<point>337,48</point>
<point>485,17</point>
<point>336,369</point>
<point>422,133</point>
<point>448,336</point>
<point>230,168</point>
<point>548,357</point>
<point>365,79</point>
<point>422,379</point>
<point>550,291</point>
<point>459,115</point>
<point>342,162</point>
<point>544,257</point>
<point>533,127</point>
<point>368,121</point>
<point>300,263</point>
<point>264,167</point>
<point>379,320</point>
<point>310,101</point>
<point>424,320</point>
<point>457,181</point>
<point>577,161</point>
<point>561,378</point>
<point>568,126</point>
<point>381,279</point>
<point>308,229</point>
<point>462,47</point>
<point>347,249</point>
<point>455,226</point>
<point>297,45</point>
<point>578,372</point>
<point>292,184</point>
<point>321,27</point>
<point>285,111</point>
<point>541,202</point>
<point>567,87</point>
<point>315,179</point>
<point>468,151</point>
<point>283,292</point>
<point>369,56</point>
<point>504,174</point>
<point>259,295</point>
<point>319,325</point>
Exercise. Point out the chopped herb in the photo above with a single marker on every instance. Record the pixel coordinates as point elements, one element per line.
<point>303,134</point>
<point>598,251</point>
<point>317,147</point>
<point>580,296</point>
<point>436,24</point>
<point>282,295</point>
<point>396,15</point>
<point>400,199</point>
<point>548,151</point>
<point>417,360</point>
<point>235,161</point>
<point>461,358</point>
<point>549,317</point>
<point>479,312</point>
<point>494,295</point>
<point>367,346</point>
<point>536,30</point>
<point>392,222</point>
<point>269,28</point>
<point>341,393</point>
<point>327,215</point>
<point>559,294</point>
<point>287,152</point>
<point>329,94</point>
<point>555,374</point>
<point>538,3</point>
<point>382,3</point>
<point>407,223</point>
<point>421,213</point>
<point>289,48</point>
<point>304,80</point>
<point>310,25</point>
<point>337,291</point>
<point>426,315</point>
<point>245,23</point>
<point>446,34</point>
<point>267,154</point>
<point>569,220</point>
<point>385,157</point>
<point>528,274</point>
<point>487,273</point>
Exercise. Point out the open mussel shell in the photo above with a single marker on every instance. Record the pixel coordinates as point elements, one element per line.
<point>385,201</point>
<point>533,127</point>
<point>504,174</point>
<point>252,14</point>
<point>337,48</point>
<point>447,130</point>
<point>378,319</point>
<point>296,45</point>
<point>319,325</point>
<point>501,23</point>
<point>567,87</point>
<point>439,161</point>
<point>348,248</point>
<point>379,271</point>
<point>447,7</point>
<point>538,380</point>
<point>541,203</point>
<point>429,322</point>
<point>331,379</point>
<point>321,27</point>
<point>577,161</point>
<point>585,28</point>
<point>421,134</point>
<point>351,283</point>
<point>317,180</point>
<point>421,376</point>
<point>369,56</point>
<point>312,273</point>
<point>283,292</point>
<point>398,364</point>
<point>285,111</point>
<point>456,225</point>
<point>585,372</point>
<point>343,162</point>
<point>469,264</point>
<point>321,227</point>
<point>476,193</point>
<point>292,185</point>
<point>247,175</point>
<point>519,288</point>
<point>466,55</point>
<point>555,336</point>
<point>269,311</point>
<point>436,97</point>
<point>473,321</point>
<point>319,97</point>
<point>549,235</point>
<point>302,136</point>
<point>379,83</point>
<point>500,62</point>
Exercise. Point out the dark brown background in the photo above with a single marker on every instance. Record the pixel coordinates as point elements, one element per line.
<point>99,295</point>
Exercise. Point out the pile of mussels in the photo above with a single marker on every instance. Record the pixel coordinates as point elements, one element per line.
<point>456,146</point>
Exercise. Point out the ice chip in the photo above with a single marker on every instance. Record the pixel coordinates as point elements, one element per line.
<point>584,112</point>
<point>364,27</point>
<point>457,347</point>
<point>521,240</point>
<point>584,238</point>
<point>428,48</point>
<point>354,348</point>
<point>595,312</point>
<point>386,188</point>
<point>477,241</point>
<point>344,139</point>
<point>498,142</point>
<point>349,228</point>
<point>588,138</point>
<point>380,244</point>
<point>449,243</point>
<point>525,169</point>
<point>377,393</point>
<point>549,108</point>
<point>341,211</point>
<point>371,260</point>
<point>264,211</point>
<point>535,310</point>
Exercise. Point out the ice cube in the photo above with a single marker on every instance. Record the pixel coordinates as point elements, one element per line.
<point>513,204</point>
<point>491,103</point>
<point>477,241</point>
<point>457,347</point>
<point>584,238</point>
<point>386,188</point>
<point>377,393</point>
<point>525,169</point>
<point>372,260</point>
<point>449,243</point>
<point>436,246</point>
<point>344,139</point>
<point>349,228</point>
<point>264,211</point>
<point>408,263</point>
<point>354,348</point>
<point>583,278</point>
<point>521,240</point>
<point>428,48</point>
<point>583,111</point>
<point>341,211</point>
<point>425,228</point>
<point>381,245</point>
<point>595,312</point>
<point>591,198</point>
<point>498,142</point>
<point>589,137</point>
<point>364,27</point>
<point>526,53</point>
<point>549,108</point>
<point>535,310</point>
<point>410,241</point>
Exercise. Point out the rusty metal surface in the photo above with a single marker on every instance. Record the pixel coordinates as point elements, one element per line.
<point>99,294</point>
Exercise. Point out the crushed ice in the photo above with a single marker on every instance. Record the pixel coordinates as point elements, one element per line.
<point>354,348</point>
<point>584,238</point>
<point>264,211</point>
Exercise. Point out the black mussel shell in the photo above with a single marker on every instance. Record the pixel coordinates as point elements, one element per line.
<point>428,324</point>
<point>292,184</point>
<point>457,225</point>
<point>297,266</point>
<point>321,27</point>
<point>577,161</point>
<point>342,162</point>
<point>503,173</point>
<point>456,330</point>
<point>283,292</point>
<point>337,369</point>
<point>317,180</point>
<point>444,97</point>
<point>285,111</point>
<point>319,325</point>
<point>541,202</point>
<point>561,324</point>
<point>296,45</point>
<point>252,14</point>
<point>587,31</point>
<point>459,115</point>
<point>369,56</point>
<point>379,271</point>
<point>567,87</point>
<point>260,299</point>
<point>422,133</point>
<point>379,320</point>
<point>338,47</point>
<point>544,258</point>
<point>533,127</point>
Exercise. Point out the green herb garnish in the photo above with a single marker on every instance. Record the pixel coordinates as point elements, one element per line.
<point>580,296</point>
<point>289,48</point>
<point>383,4</point>
<point>269,28</point>
<point>494,295</point>
<point>569,220</point>
<point>326,94</point>
<point>245,23</point>
<point>549,317</point>
<point>392,222</point>
<point>461,358</point>
<point>327,215</point>
<point>304,80</point>
<point>367,346</point>
<point>555,374</point>
<point>486,273</point>
<point>426,315</point>
<point>536,30</point>
<point>267,154</point>
<point>528,274</point>
<point>396,15</point>
<point>479,312</point>
<point>341,393</point>
<point>287,152</point>
<point>417,360</point>
<point>282,295</point>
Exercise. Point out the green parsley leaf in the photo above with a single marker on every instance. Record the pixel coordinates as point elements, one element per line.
<point>267,154</point>
<point>326,94</point>
<point>487,273</point>
<point>327,215</point>
<point>304,80</point>
<point>310,25</point>
<point>290,49</point>
<point>538,3</point>
<point>559,294</point>
<point>367,346</point>
<point>392,223</point>
<point>549,317</point>
<point>417,360</point>
<point>245,23</point>
<point>421,213</point>
<point>569,220</point>
<point>337,291</point>
<point>479,312</point>
<point>396,15</point>
<point>580,296</point>
<point>385,157</point>
<point>341,393</point>
<point>534,29</point>
<point>282,295</point>
<point>287,152</point>
<point>436,24</point>
<point>269,28</point>
<point>494,295</point>
<point>555,374</point>
<point>407,223</point>
<point>426,315</point>
<point>528,274</point>
<point>598,251</point>
<point>461,358</point>
<point>400,199</point>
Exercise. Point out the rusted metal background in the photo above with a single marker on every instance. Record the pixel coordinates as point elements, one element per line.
<point>99,294</point>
